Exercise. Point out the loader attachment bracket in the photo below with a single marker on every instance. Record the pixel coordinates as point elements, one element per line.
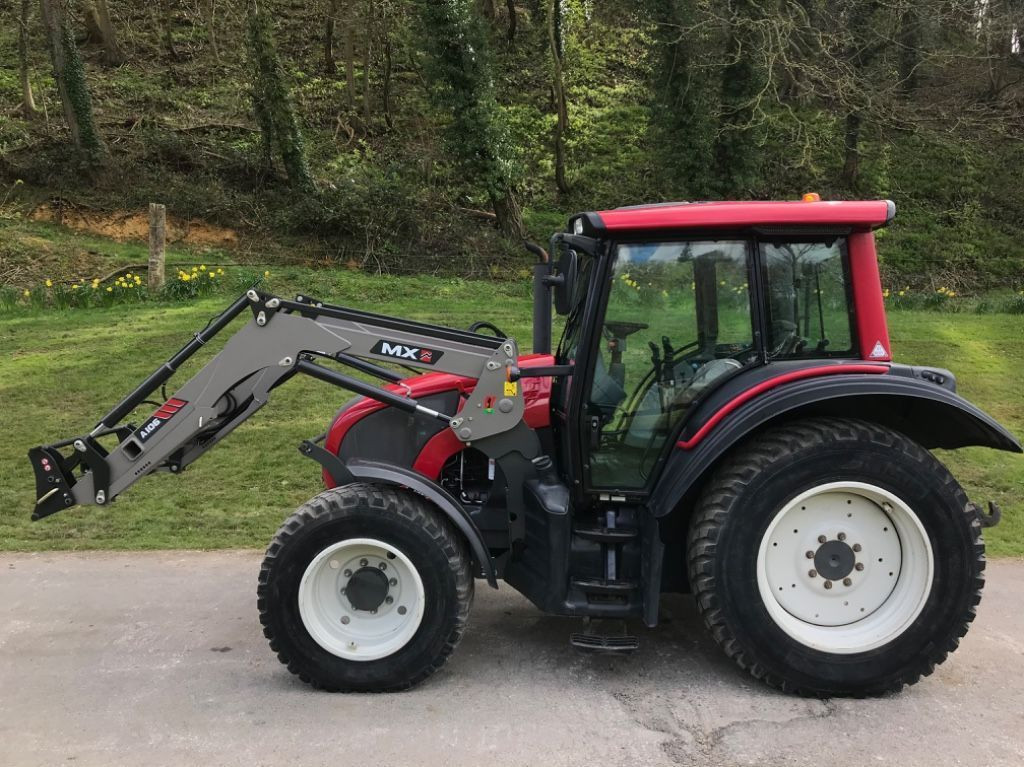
<point>55,472</point>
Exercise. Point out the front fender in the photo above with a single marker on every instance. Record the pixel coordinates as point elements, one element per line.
<point>933,416</point>
<point>389,474</point>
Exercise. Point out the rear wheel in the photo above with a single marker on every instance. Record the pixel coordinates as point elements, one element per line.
<point>365,588</point>
<point>833,557</point>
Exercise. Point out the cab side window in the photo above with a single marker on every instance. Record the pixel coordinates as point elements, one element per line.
<point>807,298</point>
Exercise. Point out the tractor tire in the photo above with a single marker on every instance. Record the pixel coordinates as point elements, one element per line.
<point>365,589</point>
<point>834,557</point>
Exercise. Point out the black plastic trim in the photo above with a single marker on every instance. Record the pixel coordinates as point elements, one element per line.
<point>930,414</point>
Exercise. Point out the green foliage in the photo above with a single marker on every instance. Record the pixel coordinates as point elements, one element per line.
<point>78,95</point>
<point>461,71</point>
<point>272,103</point>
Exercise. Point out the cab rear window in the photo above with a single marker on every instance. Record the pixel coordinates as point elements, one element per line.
<point>807,298</point>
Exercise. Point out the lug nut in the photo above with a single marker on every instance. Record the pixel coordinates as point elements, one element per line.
<point>822,539</point>
<point>856,547</point>
<point>389,600</point>
<point>383,565</point>
<point>344,619</point>
<point>859,566</point>
<point>402,610</point>
<point>393,582</point>
<point>847,582</point>
<point>363,563</point>
<point>828,584</point>
<point>812,573</point>
<point>809,555</point>
<point>348,573</point>
<point>841,536</point>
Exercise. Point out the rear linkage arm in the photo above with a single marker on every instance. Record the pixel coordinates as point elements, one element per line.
<point>283,339</point>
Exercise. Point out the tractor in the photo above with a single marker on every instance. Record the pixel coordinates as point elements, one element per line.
<point>721,417</point>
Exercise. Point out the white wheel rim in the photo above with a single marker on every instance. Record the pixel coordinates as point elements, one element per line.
<point>345,630</point>
<point>883,592</point>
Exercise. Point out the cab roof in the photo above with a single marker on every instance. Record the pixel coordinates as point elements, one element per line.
<point>860,214</point>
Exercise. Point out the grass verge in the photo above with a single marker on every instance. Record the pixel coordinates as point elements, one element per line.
<point>61,370</point>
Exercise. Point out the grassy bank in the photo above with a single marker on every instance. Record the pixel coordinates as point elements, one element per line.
<point>61,370</point>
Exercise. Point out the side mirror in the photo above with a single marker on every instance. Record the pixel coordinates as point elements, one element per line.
<point>564,280</point>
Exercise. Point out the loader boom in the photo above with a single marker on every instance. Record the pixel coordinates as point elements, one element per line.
<point>284,338</point>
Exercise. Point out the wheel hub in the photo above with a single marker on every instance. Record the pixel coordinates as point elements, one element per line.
<point>367,589</point>
<point>834,560</point>
<point>844,567</point>
<point>361,599</point>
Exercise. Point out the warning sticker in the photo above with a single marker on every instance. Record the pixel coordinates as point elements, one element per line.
<point>879,352</point>
<point>511,387</point>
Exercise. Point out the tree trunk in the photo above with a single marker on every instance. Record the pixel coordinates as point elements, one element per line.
<point>513,21</point>
<point>508,214</point>
<point>330,68</point>
<point>910,48</point>
<point>28,103</point>
<point>385,88</point>
<point>350,68</point>
<point>211,27</point>
<point>101,29</point>
<point>166,10</point>
<point>488,9</point>
<point>69,75</point>
<point>272,101</point>
<point>558,91</point>
<point>367,96</point>
<point>851,144</point>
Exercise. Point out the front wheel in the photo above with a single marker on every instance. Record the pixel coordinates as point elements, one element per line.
<point>365,588</point>
<point>834,557</point>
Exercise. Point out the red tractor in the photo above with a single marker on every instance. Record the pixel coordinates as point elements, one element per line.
<point>722,416</point>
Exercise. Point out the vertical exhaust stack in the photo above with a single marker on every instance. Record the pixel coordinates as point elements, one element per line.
<point>541,299</point>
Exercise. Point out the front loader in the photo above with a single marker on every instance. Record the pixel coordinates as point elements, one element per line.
<point>722,416</point>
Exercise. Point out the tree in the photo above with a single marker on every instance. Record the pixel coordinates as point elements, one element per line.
<point>684,99</point>
<point>272,102</point>
<point>556,42</point>
<point>69,75</point>
<point>28,103</point>
<point>330,68</point>
<point>743,79</point>
<point>461,70</point>
<point>101,30</point>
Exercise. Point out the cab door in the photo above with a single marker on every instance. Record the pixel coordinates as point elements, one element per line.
<point>678,321</point>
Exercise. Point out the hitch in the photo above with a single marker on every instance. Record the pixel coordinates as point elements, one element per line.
<point>992,518</point>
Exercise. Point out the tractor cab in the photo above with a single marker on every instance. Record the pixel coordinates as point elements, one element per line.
<point>659,320</point>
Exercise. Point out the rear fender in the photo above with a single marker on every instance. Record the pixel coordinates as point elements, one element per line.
<point>931,414</point>
<point>379,472</point>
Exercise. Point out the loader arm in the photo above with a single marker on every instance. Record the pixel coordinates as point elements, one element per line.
<point>285,338</point>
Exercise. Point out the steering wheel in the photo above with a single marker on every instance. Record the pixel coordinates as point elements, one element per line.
<point>476,327</point>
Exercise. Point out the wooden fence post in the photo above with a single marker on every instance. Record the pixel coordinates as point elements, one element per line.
<point>157,241</point>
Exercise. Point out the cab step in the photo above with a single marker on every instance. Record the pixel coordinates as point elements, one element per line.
<point>602,586</point>
<point>605,534</point>
<point>599,643</point>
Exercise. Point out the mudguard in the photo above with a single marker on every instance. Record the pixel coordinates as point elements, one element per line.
<point>918,402</point>
<point>380,472</point>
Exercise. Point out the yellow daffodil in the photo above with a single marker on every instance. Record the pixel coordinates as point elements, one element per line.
<point>220,271</point>
<point>49,283</point>
<point>110,289</point>
<point>76,286</point>
<point>27,293</point>
<point>266,274</point>
<point>902,293</point>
